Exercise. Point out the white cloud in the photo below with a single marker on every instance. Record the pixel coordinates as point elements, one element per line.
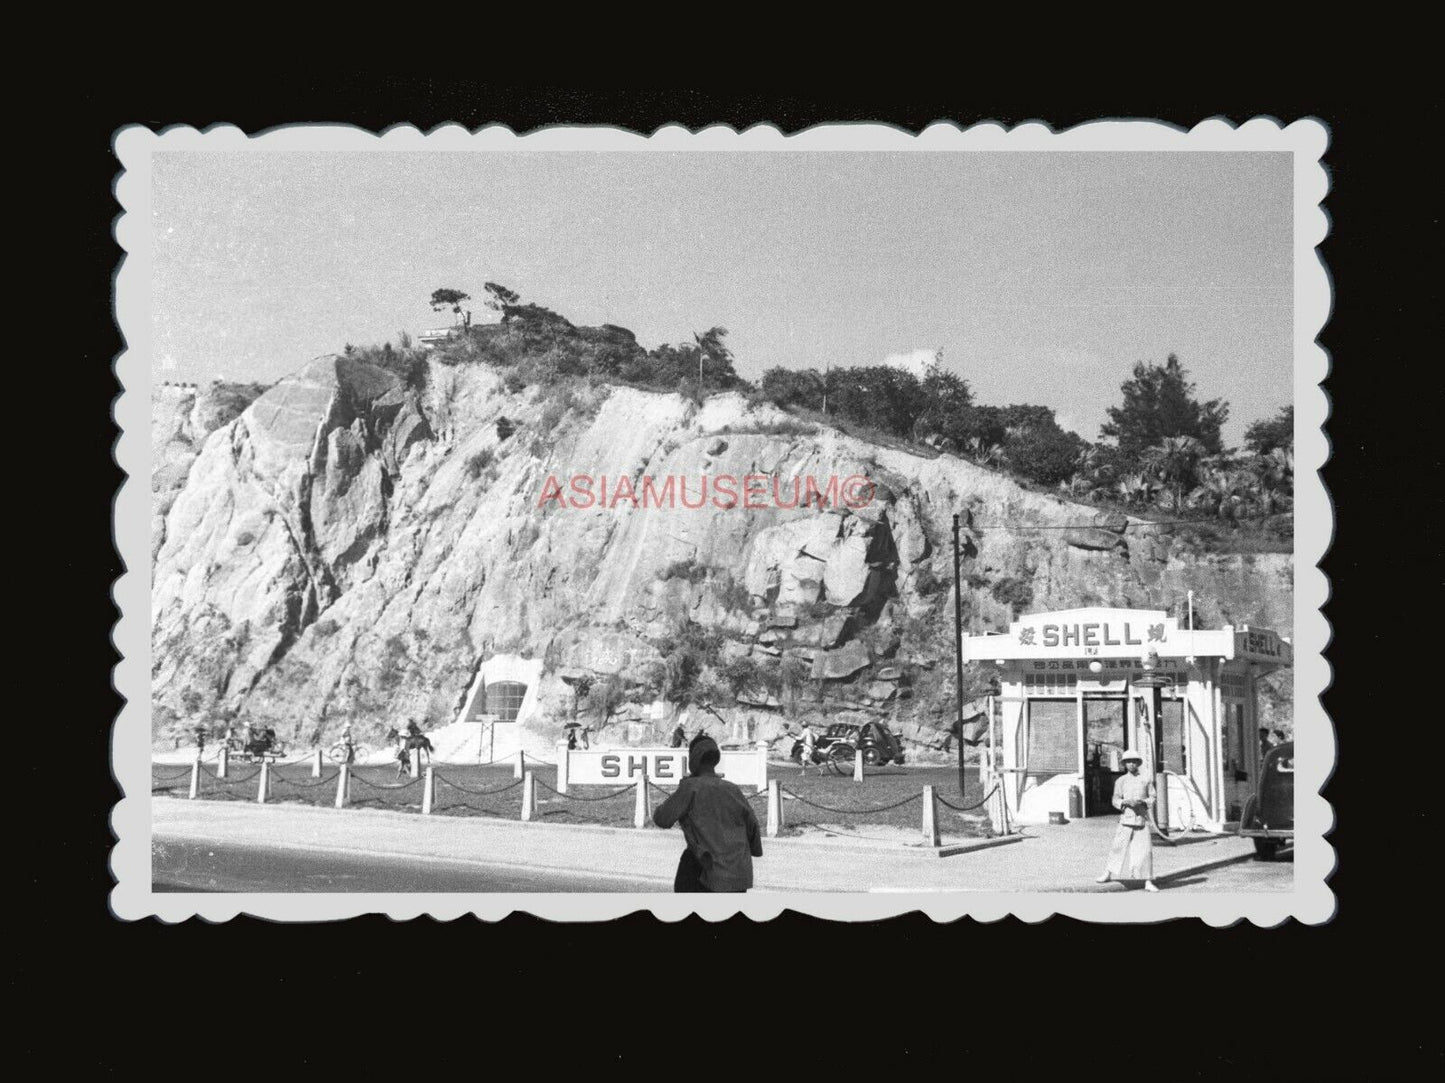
<point>917,361</point>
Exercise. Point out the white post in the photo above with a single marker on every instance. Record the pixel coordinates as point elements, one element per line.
<point>529,797</point>
<point>195,779</point>
<point>223,761</point>
<point>428,791</point>
<point>520,769</point>
<point>775,809</point>
<point>561,766</point>
<point>930,817</point>
<point>316,765</point>
<point>265,783</point>
<point>343,781</point>
<point>762,767</point>
<point>416,763</point>
<point>857,765</point>
<point>642,812</point>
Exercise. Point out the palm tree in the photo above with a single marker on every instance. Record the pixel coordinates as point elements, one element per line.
<point>1221,492</point>
<point>1176,463</point>
<point>1273,477</point>
<point>985,453</point>
<point>1137,489</point>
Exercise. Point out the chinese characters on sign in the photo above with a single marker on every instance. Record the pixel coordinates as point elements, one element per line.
<point>1089,636</point>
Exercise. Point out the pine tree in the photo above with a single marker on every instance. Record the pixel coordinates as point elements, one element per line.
<point>1159,403</point>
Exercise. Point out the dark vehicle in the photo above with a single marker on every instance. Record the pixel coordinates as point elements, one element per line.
<point>1269,813</point>
<point>262,745</point>
<point>842,741</point>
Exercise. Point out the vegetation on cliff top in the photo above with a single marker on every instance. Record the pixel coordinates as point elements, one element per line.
<point>1160,454</point>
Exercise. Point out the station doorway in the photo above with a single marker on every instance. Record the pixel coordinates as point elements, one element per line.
<point>1106,739</point>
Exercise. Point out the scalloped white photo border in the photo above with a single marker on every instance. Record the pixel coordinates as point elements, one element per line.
<point>1311,901</point>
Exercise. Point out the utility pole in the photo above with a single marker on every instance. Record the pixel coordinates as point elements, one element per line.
<point>958,650</point>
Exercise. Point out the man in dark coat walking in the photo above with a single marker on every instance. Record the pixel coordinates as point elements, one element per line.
<point>718,823</point>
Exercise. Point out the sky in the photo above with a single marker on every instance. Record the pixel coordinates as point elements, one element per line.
<point>1043,278</point>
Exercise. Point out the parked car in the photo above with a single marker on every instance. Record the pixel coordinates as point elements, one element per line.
<point>841,741</point>
<point>1268,816</point>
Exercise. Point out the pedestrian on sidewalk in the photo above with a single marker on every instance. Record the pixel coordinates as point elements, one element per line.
<point>809,744</point>
<point>1131,857</point>
<point>717,822</point>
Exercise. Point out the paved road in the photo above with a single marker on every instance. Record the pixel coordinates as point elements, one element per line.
<point>188,865</point>
<point>196,865</point>
<point>1247,875</point>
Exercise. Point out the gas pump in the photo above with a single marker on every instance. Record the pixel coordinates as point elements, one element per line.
<point>1156,683</point>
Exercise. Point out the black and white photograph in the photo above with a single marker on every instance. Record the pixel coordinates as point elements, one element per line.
<point>851,522</point>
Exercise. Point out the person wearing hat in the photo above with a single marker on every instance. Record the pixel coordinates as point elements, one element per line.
<point>1131,857</point>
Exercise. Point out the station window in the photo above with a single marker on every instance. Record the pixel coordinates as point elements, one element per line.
<point>1050,684</point>
<point>1234,737</point>
<point>504,699</point>
<point>1053,736</point>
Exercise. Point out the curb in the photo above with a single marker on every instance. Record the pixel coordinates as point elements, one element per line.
<point>1117,886</point>
<point>831,842</point>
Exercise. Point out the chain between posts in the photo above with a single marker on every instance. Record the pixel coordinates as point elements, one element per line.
<point>385,785</point>
<point>479,793</point>
<point>967,808</point>
<point>324,781</point>
<point>574,797</point>
<point>230,781</point>
<point>185,771</point>
<point>851,811</point>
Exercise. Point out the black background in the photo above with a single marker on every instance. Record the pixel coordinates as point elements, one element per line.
<point>1173,1001</point>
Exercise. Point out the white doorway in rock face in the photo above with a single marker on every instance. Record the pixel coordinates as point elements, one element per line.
<point>500,705</point>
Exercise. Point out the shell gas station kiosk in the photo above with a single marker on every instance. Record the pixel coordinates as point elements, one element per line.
<point>1079,687</point>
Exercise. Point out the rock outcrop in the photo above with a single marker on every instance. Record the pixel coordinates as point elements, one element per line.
<point>347,546</point>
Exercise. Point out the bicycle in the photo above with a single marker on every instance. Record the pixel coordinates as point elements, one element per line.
<point>342,753</point>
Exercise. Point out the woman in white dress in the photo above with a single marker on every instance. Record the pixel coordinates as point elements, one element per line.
<point>1131,857</point>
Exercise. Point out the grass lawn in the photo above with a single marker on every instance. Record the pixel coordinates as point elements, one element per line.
<point>888,801</point>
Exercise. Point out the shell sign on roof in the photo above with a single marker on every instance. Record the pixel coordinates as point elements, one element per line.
<point>1097,633</point>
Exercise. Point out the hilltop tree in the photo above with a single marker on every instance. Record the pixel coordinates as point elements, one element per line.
<point>1269,433</point>
<point>793,387</point>
<point>710,348</point>
<point>499,298</point>
<point>452,299</point>
<point>1159,403</point>
<point>946,399</point>
<point>878,395</point>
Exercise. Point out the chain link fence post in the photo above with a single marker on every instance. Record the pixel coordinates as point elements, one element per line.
<point>857,765</point>
<point>775,809</point>
<point>195,779</point>
<point>930,817</point>
<point>640,811</point>
<point>529,797</point>
<point>519,770</point>
<point>316,764</point>
<point>762,748</point>
<point>562,767</point>
<point>428,791</point>
<point>343,780</point>
<point>223,762</point>
<point>265,783</point>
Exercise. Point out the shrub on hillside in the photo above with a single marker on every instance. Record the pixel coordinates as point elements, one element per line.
<point>1016,593</point>
<point>1047,455</point>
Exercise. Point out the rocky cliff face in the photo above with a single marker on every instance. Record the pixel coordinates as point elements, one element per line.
<point>346,545</point>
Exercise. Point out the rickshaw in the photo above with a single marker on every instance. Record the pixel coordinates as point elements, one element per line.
<point>1268,816</point>
<point>261,745</point>
<point>842,740</point>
